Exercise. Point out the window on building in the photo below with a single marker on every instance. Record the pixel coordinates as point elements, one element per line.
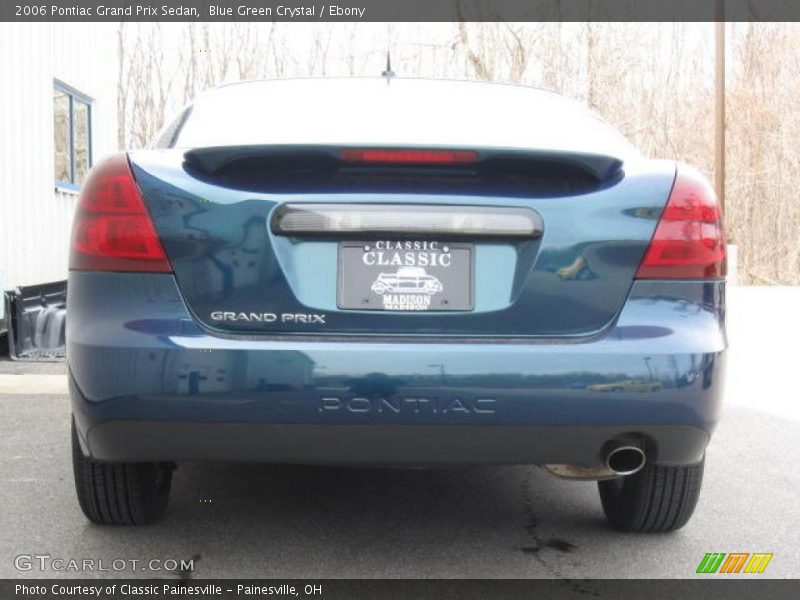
<point>72,135</point>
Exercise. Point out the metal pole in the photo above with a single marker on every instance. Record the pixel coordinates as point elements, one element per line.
<point>719,111</point>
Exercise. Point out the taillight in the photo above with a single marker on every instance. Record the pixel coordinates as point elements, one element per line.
<point>688,242</point>
<point>112,230</point>
<point>408,156</point>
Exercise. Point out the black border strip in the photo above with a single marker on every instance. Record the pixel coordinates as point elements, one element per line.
<point>399,10</point>
<point>708,587</point>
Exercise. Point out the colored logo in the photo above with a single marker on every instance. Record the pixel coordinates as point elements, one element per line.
<point>734,562</point>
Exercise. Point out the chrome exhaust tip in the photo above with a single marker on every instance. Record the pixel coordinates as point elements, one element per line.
<point>625,459</point>
<point>619,457</point>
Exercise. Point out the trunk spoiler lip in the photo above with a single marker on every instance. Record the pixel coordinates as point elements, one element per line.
<point>209,160</point>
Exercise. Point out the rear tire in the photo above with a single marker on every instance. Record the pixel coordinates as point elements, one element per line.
<point>120,493</point>
<point>656,499</point>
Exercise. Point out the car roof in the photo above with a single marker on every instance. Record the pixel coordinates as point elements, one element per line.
<point>397,112</point>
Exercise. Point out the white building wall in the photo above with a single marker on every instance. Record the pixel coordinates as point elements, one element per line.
<point>35,218</point>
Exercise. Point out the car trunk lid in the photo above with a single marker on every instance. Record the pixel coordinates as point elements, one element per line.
<point>327,241</point>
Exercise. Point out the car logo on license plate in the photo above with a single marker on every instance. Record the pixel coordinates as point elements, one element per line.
<point>409,288</point>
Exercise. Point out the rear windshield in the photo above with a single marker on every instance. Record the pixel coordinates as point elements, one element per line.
<point>400,112</point>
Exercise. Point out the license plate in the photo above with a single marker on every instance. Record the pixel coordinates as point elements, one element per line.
<point>405,275</point>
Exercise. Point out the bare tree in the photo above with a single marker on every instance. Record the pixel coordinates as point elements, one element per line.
<point>652,81</point>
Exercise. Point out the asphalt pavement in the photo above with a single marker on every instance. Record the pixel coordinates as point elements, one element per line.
<point>309,522</point>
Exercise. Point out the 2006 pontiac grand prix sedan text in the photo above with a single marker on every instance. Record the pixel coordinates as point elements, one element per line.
<point>395,272</point>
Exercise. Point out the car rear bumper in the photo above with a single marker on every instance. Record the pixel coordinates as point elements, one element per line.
<point>423,445</point>
<point>149,384</point>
